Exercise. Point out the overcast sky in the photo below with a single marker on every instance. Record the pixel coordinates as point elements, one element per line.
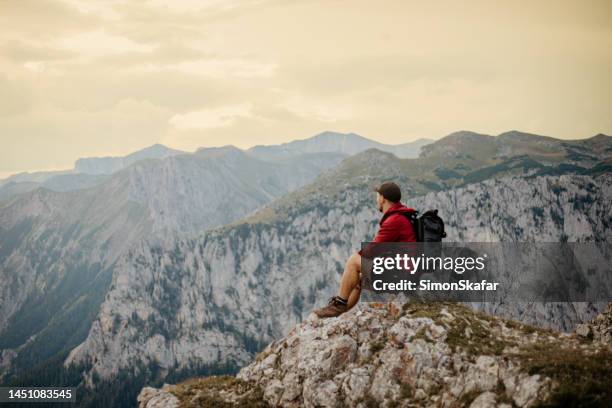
<point>83,78</point>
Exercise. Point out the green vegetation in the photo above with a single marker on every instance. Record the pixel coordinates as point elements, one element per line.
<point>213,392</point>
<point>582,374</point>
<point>378,345</point>
<point>297,303</point>
<point>584,379</point>
<point>445,174</point>
<point>10,238</point>
<point>370,402</point>
<point>60,320</point>
<point>122,390</point>
<point>520,165</point>
<point>470,330</point>
<point>421,334</point>
<point>467,398</point>
<point>406,391</point>
<point>538,215</point>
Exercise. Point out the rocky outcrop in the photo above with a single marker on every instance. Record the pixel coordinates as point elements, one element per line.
<point>599,329</point>
<point>157,398</point>
<point>441,354</point>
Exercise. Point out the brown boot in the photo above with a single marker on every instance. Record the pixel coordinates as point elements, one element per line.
<point>334,308</point>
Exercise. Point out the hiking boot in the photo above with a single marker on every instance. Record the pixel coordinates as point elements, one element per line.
<point>334,308</point>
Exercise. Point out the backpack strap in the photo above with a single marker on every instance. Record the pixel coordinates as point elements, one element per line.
<point>415,221</point>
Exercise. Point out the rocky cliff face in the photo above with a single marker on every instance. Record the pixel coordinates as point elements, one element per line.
<point>58,249</point>
<point>188,303</point>
<point>440,354</point>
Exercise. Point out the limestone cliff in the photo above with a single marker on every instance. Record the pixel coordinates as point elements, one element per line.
<point>220,298</point>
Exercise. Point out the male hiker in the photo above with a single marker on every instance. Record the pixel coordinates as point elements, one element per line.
<point>394,227</point>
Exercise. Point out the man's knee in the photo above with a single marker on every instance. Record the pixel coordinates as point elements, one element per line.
<point>355,261</point>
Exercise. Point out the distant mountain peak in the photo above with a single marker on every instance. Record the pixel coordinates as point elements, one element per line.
<point>514,132</point>
<point>463,141</point>
<point>460,134</point>
<point>155,147</point>
<point>110,164</point>
<point>522,136</point>
<point>219,151</point>
<point>332,133</point>
<point>335,142</point>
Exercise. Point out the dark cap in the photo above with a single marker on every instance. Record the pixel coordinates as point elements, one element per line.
<point>390,191</point>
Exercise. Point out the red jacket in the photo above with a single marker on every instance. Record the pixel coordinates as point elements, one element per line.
<point>395,226</point>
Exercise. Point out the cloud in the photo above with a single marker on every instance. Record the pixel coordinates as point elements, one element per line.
<point>212,118</point>
<point>99,42</point>
<point>102,8</point>
<point>19,51</point>
<point>42,19</point>
<point>188,6</point>
<point>54,138</point>
<point>215,68</point>
<point>315,109</point>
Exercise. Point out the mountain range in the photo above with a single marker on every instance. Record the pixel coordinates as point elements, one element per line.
<point>191,263</point>
<point>90,171</point>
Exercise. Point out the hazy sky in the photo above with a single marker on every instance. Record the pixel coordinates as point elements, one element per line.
<point>82,78</point>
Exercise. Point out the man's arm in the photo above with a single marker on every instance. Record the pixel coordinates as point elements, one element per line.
<point>388,232</point>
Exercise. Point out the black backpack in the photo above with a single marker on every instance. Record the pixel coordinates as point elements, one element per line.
<point>428,227</point>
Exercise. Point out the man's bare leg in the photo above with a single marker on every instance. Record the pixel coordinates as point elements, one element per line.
<point>350,278</point>
<point>349,290</point>
<point>354,297</point>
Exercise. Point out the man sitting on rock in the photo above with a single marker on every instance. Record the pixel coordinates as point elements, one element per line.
<point>394,227</point>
